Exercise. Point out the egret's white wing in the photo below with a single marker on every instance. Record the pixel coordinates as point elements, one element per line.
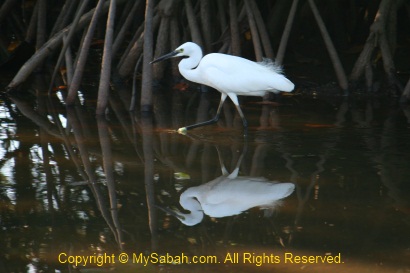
<point>228,73</point>
<point>232,196</point>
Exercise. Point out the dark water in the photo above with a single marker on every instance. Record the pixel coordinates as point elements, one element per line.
<point>76,188</point>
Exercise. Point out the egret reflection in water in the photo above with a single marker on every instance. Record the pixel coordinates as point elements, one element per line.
<point>230,194</point>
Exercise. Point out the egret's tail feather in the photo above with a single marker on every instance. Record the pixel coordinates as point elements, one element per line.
<point>272,65</point>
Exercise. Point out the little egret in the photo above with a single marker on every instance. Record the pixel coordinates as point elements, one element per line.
<point>230,75</point>
<point>230,194</point>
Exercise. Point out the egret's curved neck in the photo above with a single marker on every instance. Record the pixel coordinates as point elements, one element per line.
<point>186,66</point>
<point>190,203</point>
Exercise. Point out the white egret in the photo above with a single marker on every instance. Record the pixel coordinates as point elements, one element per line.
<point>230,75</point>
<point>230,194</point>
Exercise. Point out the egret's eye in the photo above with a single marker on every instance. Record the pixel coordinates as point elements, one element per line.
<point>181,50</point>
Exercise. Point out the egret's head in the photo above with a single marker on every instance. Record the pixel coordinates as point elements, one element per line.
<point>184,50</point>
<point>189,219</point>
<point>187,49</point>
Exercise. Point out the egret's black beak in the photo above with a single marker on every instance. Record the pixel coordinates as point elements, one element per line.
<point>166,56</point>
<point>171,212</point>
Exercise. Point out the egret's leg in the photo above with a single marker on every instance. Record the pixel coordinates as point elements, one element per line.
<point>235,101</point>
<point>214,120</point>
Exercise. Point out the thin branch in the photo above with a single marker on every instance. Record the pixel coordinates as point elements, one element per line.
<point>233,15</point>
<point>193,24</point>
<point>266,43</point>
<point>337,65</point>
<point>286,32</point>
<point>105,74</point>
<point>74,85</point>
<point>67,41</point>
<point>146,86</point>
<point>254,31</point>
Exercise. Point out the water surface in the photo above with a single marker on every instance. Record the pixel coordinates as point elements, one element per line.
<point>73,186</point>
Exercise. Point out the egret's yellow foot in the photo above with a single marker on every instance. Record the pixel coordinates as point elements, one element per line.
<point>182,130</point>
